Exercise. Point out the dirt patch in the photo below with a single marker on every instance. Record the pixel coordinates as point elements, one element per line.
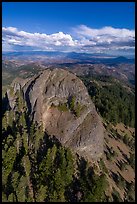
<point>122,153</point>
<point>122,129</point>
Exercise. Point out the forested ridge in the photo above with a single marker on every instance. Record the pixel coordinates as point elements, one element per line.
<point>113,101</point>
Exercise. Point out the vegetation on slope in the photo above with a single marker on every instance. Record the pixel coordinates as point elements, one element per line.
<point>71,105</point>
<point>113,101</point>
<point>35,167</point>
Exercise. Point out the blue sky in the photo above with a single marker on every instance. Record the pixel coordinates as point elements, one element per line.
<point>68,26</point>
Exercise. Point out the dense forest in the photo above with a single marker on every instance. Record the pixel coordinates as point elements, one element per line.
<point>113,101</point>
<point>35,167</point>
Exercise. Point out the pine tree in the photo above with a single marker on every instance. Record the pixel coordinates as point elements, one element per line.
<point>41,194</point>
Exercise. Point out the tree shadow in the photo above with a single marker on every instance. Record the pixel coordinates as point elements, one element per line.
<point>5,104</point>
<point>114,176</point>
<point>124,155</point>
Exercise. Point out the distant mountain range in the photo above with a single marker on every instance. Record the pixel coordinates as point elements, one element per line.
<point>77,57</point>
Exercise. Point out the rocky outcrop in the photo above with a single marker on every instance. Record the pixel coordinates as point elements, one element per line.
<point>60,102</point>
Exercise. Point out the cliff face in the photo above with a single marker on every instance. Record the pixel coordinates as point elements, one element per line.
<point>60,102</point>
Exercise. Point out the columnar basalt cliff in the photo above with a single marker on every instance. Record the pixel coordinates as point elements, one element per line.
<point>59,101</point>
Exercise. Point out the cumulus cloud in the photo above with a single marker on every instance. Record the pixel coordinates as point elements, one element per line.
<point>82,39</point>
<point>107,31</point>
<point>12,36</point>
<point>106,38</point>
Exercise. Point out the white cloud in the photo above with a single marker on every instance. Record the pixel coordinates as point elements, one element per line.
<point>104,39</point>
<point>107,31</point>
<point>83,39</point>
<point>12,36</point>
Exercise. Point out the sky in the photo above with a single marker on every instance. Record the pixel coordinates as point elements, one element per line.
<point>90,27</point>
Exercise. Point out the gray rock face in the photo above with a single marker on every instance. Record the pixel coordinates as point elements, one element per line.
<point>45,92</point>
